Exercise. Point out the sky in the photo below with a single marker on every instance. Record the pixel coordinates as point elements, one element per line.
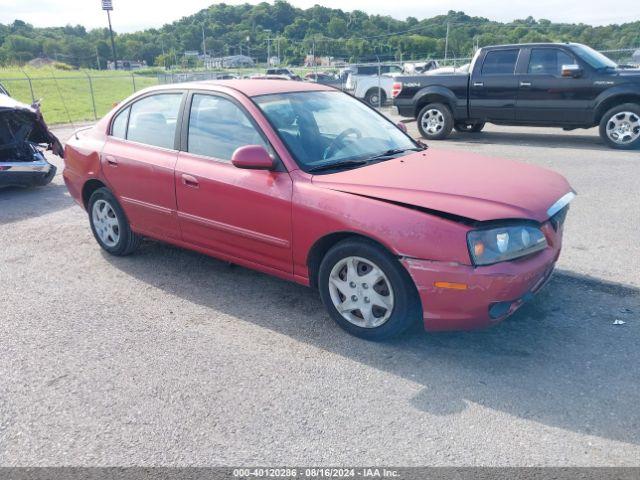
<point>132,15</point>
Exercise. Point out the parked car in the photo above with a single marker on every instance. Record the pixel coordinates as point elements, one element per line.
<point>23,138</point>
<point>375,90</point>
<point>420,67</point>
<point>566,85</point>
<point>269,76</point>
<point>324,79</point>
<point>461,70</point>
<point>372,83</point>
<point>304,182</point>
<point>284,72</point>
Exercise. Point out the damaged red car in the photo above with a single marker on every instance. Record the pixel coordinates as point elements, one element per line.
<point>306,183</point>
<point>23,138</point>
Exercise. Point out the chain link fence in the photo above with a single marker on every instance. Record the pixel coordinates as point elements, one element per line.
<point>76,96</point>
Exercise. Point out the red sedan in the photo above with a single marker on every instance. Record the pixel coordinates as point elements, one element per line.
<point>306,183</point>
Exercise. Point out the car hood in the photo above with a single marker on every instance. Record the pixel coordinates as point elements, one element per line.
<point>456,183</point>
<point>28,122</point>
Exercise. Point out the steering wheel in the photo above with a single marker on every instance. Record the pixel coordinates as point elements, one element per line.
<point>338,143</point>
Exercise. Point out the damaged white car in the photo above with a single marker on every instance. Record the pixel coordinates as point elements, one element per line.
<point>23,137</point>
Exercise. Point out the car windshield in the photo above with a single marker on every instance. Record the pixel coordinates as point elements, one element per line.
<point>325,129</point>
<point>593,57</point>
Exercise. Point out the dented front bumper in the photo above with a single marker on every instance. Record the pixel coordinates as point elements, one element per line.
<point>464,297</point>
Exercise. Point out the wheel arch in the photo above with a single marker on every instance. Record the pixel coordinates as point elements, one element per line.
<point>322,245</point>
<point>376,89</point>
<point>619,98</point>
<point>89,187</point>
<point>434,95</point>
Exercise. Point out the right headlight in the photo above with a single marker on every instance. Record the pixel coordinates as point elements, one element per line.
<point>493,245</point>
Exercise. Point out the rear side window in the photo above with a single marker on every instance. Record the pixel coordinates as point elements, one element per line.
<point>119,125</point>
<point>548,61</point>
<point>153,120</point>
<point>500,62</point>
<point>217,127</point>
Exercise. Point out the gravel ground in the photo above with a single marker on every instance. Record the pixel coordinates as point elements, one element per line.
<point>169,357</point>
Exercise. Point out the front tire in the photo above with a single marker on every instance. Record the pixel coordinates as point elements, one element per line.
<point>109,224</point>
<point>367,291</point>
<point>620,126</point>
<point>435,121</point>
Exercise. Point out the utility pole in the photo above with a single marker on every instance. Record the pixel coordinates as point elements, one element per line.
<point>446,44</point>
<point>204,49</point>
<point>107,6</point>
<point>268,32</point>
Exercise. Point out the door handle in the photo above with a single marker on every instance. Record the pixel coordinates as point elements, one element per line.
<point>190,181</point>
<point>525,84</point>
<point>111,160</point>
<point>478,84</point>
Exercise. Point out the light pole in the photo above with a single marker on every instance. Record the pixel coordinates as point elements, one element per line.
<point>107,6</point>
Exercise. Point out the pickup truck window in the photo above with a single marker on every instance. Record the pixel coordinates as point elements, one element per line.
<point>500,62</point>
<point>548,61</point>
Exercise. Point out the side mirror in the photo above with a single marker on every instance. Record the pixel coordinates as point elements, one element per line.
<point>253,157</point>
<point>402,126</point>
<point>572,71</point>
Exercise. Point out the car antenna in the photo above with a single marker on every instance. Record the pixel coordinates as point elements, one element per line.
<point>64,104</point>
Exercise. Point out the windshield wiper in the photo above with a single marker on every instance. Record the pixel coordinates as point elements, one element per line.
<point>331,166</point>
<point>392,152</point>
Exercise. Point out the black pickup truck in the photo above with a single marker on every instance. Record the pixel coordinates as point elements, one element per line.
<point>565,85</point>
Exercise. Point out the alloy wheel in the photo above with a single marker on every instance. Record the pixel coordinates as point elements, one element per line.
<point>624,127</point>
<point>432,121</point>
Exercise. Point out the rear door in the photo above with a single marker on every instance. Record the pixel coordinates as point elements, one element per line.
<point>244,214</point>
<point>138,161</point>
<point>493,88</point>
<point>545,96</point>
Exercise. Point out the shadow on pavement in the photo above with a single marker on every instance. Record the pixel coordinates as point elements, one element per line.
<point>18,204</point>
<point>559,361</point>
<point>557,139</point>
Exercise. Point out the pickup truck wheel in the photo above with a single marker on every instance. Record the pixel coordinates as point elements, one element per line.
<point>620,126</point>
<point>469,127</point>
<point>375,98</point>
<point>435,121</point>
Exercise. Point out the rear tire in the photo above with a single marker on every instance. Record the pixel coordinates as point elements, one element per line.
<point>376,296</point>
<point>373,96</point>
<point>435,121</point>
<point>110,225</point>
<point>620,127</point>
<point>469,127</point>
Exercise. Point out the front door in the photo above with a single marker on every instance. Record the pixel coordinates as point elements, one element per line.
<point>243,214</point>
<point>138,161</point>
<point>546,96</point>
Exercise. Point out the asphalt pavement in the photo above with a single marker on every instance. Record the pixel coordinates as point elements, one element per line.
<point>169,357</point>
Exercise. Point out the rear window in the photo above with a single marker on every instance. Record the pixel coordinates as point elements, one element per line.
<point>500,62</point>
<point>153,120</point>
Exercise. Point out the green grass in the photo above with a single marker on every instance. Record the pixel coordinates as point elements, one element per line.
<point>66,95</point>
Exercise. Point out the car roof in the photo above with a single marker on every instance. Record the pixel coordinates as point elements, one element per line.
<point>249,87</point>
<point>539,44</point>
